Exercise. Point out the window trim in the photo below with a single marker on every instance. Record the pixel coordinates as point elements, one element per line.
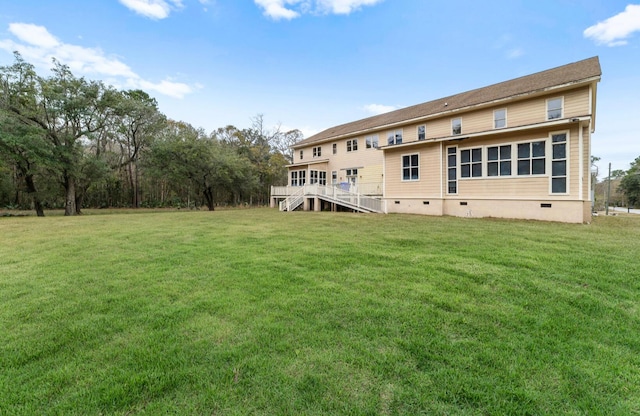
<point>455,180</point>
<point>410,167</point>
<point>352,145</point>
<point>499,160</point>
<point>393,135</point>
<point>301,154</point>
<point>317,151</point>
<point>471,163</point>
<point>531,158</point>
<point>453,132</point>
<point>372,141</point>
<point>495,119</point>
<point>561,98</point>
<point>423,126</point>
<point>335,148</point>
<point>299,176</point>
<point>566,158</point>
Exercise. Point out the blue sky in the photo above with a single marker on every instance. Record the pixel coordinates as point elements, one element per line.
<point>312,64</point>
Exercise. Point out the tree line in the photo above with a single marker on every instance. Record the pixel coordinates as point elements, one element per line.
<point>629,183</point>
<point>68,142</point>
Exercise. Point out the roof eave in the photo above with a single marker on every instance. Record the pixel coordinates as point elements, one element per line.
<point>459,137</point>
<point>522,96</point>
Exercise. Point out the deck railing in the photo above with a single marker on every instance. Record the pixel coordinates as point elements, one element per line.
<point>337,193</point>
<point>368,188</point>
<point>293,201</point>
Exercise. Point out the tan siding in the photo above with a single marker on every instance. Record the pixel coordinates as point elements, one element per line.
<point>515,186</point>
<point>426,186</point>
<point>576,103</point>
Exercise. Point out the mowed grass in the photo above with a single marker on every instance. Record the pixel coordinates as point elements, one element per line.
<point>268,313</point>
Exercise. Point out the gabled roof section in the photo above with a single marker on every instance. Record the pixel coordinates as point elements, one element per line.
<point>587,70</point>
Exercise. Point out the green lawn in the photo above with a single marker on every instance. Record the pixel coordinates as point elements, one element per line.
<point>268,313</point>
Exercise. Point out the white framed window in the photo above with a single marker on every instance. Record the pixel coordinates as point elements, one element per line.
<point>531,158</point>
<point>422,132</point>
<point>298,177</point>
<point>313,177</point>
<point>452,170</point>
<point>471,163</point>
<point>317,151</point>
<point>301,154</point>
<point>335,148</point>
<point>334,177</point>
<point>500,118</point>
<point>394,137</point>
<point>352,145</point>
<point>559,163</point>
<point>555,108</point>
<point>371,142</point>
<point>456,126</point>
<point>411,167</point>
<point>322,177</point>
<point>352,176</point>
<point>499,160</point>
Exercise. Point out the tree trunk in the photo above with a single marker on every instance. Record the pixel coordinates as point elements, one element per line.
<point>79,200</point>
<point>208,196</point>
<point>133,183</point>
<point>31,189</point>
<point>70,200</point>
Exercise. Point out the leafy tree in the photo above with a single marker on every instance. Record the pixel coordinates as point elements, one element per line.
<point>139,121</point>
<point>64,109</point>
<point>184,155</point>
<point>22,142</point>
<point>630,183</point>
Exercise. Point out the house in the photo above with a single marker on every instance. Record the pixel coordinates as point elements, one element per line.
<point>516,149</point>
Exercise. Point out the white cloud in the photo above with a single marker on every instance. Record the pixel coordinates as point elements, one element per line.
<point>33,35</point>
<point>376,109</point>
<point>290,9</point>
<point>344,6</point>
<point>615,30</point>
<point>153,9</point>
<point>507,45</point>
<point>38,46</point>
<point>515,53</point>
<point>276,9</point>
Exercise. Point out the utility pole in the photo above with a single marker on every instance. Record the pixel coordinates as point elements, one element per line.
<point>608,190</point>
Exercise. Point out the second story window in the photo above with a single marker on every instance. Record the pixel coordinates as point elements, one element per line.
<point>371,142</point>
<point>352,145</point>
<point>301,154</point>
<point>317,151</point>
<point>394,137</point>
<point>554,108</point>
<point>422,132</point>
<point>335,148</point>
<point>456,126</point>
<point>500,118</point>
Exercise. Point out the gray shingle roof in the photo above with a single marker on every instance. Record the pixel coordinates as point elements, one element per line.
<point>567,74</point>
